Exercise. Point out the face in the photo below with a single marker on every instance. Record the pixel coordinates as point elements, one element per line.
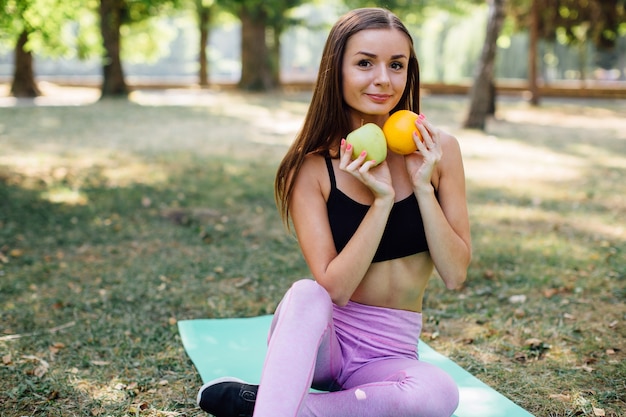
<point>374,72</point>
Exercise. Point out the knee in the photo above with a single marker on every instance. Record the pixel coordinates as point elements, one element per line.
<point>438,397</point>
<point>306,301</point>
<point>305,305</point>
<point>307,293</point>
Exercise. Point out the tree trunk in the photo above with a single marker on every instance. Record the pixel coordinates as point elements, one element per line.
<point>256,72</point>
<point>533,40</point>
<point>204,19</point>
<point>113,83</point>
<point>23,74</point>
<point>481,97</point>
<point>275,55</point>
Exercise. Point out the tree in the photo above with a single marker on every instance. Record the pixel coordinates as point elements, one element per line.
<point>33,25</point>
<point>204,10</point>
<point>260,21</point>
<point>570,22</point>
<point>113,15</point>
<point>482,93</point>
<point>533,40</point>
<point>113,81</point>
<point>23,84</point>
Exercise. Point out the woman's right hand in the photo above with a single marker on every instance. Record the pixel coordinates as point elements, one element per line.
<point>375,177</point>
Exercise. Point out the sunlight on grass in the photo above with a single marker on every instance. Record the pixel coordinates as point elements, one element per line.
<point>503,161</point>
<point>106,394</point>
<point>65,196</point>
<point>599,156</point>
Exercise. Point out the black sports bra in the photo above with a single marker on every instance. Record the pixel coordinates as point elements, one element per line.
<point>403,236</point>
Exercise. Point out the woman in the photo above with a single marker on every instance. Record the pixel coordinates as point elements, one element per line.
<point>371,236</point>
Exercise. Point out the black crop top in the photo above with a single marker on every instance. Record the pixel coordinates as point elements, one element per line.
<point>403,236</point>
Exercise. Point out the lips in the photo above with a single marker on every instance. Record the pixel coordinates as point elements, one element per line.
<point>379,98</point>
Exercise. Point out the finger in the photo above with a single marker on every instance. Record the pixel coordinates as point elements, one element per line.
<point>367,165</point>
<point>422,129</point>
<point>419,142</point>
<point>345,154</point>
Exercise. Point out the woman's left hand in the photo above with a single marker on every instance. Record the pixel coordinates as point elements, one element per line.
<point>421,164</point>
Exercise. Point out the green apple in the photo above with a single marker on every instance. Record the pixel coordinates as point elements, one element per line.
<point>369,138</point>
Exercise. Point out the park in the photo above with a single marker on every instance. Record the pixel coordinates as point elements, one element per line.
<point>122,216</point>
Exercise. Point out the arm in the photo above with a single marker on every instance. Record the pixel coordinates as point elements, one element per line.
<point>445,215</point>
<point>340,274</point>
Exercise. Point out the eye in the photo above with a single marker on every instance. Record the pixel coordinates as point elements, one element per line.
<point>397,66</point>
<point>364,63</point>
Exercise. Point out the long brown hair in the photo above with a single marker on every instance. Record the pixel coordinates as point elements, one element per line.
<point>327,118</point>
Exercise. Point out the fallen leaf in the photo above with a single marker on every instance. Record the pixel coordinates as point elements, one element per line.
<point>585,368</point>
<point>56,347</point>
<point>550,292</point>
<point>517,299</point>
<point>100,363</point>
<point>610,351</point>
<point>533,342</point>
<point>560,397</point>
<point>242,282</point>
<point>569,316</point>
<point>136,408</point>
<point>598,412</point>
<point>613,324</point>
<point>6,359</point>
<point>41,370</point>
<point>163,382</point>
<point>16,253</point>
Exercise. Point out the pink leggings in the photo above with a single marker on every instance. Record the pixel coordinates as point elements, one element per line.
<point>364,358</point>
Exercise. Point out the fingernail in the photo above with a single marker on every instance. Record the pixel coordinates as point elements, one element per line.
<point>349,147</point>
<point>419,120</point>
<point>363,153</point>
<point>343,142</point>
<point>421,116</point>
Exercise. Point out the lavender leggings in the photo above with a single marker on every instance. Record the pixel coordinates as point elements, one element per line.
<point>364,357</point>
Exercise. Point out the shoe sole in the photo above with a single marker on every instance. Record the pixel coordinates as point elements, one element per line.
<point>215,382</point>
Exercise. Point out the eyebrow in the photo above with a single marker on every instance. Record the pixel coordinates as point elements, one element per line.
<point>371,55</point>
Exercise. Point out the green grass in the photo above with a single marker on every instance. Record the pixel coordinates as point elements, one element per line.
<point>119,218</point>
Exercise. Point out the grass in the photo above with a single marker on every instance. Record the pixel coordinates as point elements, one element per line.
<point>117,219</point>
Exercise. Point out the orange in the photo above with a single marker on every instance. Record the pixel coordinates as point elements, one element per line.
<point>398,130</point>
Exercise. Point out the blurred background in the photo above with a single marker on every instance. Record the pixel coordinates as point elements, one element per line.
<point>254,45</point>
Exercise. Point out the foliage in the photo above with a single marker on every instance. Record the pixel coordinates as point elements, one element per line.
<point>413,12</point>
<point>575,21</point>
<point>47,22</point>
<point>145,37</point>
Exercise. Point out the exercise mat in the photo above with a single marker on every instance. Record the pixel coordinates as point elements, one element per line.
<point>236,347</point>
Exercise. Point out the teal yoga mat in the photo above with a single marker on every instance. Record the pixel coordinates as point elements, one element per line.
<point>236,347</point>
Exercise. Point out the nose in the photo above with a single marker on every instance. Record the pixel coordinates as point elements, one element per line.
<point>382,76</point>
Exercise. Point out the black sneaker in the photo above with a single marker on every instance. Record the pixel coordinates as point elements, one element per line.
<point>227,397</point>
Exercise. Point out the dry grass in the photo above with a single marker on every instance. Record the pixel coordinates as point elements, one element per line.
<point>119,218</point>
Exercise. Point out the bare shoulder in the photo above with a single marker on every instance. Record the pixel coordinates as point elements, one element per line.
<point>449,141</point>
<point>451,148</point>
<point>313,174</point>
